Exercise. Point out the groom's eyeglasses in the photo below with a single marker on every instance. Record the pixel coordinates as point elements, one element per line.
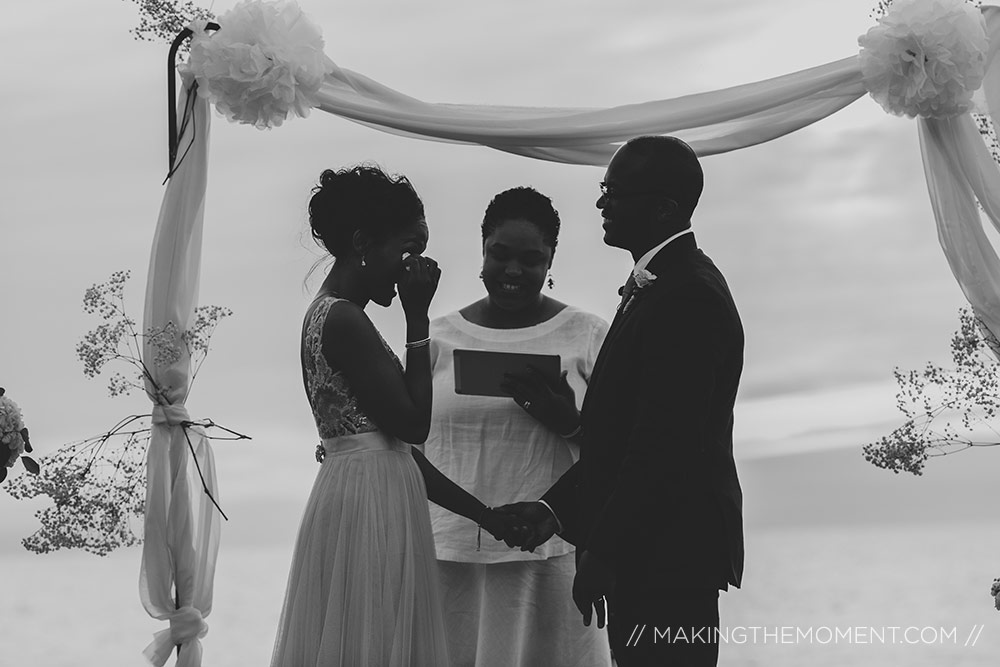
<point>611,192</point>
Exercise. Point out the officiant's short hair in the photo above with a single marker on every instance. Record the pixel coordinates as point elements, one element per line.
<point>523,203</point>
<point>673,165</point>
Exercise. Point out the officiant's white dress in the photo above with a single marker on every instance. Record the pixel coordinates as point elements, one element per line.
<point>363,588</point>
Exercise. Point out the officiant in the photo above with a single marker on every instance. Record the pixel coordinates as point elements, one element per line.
<point>505,606</point>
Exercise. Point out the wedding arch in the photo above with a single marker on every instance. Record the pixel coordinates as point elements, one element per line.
<point>933,60</point>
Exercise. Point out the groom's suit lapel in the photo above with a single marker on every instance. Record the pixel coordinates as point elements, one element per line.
<point>672,263</point>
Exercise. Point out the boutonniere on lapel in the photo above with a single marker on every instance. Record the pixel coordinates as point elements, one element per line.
<point>643,278</point>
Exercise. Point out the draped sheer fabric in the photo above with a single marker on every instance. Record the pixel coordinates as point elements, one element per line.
<point>959,171</point>
<point>182,528</point>
<point>712,122</point>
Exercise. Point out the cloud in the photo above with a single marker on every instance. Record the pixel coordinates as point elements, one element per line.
<point>825,236</point>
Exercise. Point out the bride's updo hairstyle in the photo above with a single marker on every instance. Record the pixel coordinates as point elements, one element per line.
<point>362,198</point>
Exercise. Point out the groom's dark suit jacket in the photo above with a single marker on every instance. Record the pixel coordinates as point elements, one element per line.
<point>655,492</point>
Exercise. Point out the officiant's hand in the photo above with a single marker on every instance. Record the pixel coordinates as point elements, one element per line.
<point>553,403</point>
<point>541,520</point>
<point>594,582</point>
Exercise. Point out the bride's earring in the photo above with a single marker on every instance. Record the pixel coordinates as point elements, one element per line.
<point>363,264</point>
<point>550,283</point>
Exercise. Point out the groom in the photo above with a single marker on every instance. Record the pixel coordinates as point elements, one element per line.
<point>654,505</point>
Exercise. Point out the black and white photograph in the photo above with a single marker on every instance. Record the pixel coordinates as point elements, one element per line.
<point>522,334</point>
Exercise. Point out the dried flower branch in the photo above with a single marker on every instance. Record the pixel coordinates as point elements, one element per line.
<point>989,134</point>
<point>99,492</point>
<point>947,409</point>
<point>162,20</point>
<point>117,340</point>
<point>883,6</point>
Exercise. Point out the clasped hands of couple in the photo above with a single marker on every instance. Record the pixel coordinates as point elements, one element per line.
<point>529,524</point>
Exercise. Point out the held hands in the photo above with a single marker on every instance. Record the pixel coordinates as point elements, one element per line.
<point>417,283</point>
<point>551,403</point>
<point>540,523</point>
<point>595,580</point>
<point>504,527</point>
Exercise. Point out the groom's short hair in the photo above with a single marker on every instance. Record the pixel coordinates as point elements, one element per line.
<point>671,166</point>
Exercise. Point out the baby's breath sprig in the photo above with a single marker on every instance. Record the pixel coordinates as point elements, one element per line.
<point>98,492</point>
<point>162,20</point>
<point>946,409</point>
<point>883,6</point>
<point>989,134</point>
<point>118,340</point>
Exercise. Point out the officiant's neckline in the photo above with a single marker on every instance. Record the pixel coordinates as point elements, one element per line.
<point>457,320</point>
<point>487,314</point>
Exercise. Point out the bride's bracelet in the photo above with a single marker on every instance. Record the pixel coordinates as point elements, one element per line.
<point>479,523</point>
<point>418,343</point>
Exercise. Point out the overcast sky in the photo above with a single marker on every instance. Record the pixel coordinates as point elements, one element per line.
<point>826,236</point>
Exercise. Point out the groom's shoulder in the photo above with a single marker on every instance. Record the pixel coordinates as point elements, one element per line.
<point>700,292</point>
<point>692,279</point>
<point>704,274</point>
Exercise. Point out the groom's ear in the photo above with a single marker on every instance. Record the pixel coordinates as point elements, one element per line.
<point>666,209</point>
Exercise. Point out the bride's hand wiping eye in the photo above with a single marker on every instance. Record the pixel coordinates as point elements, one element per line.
<point>417,283</point>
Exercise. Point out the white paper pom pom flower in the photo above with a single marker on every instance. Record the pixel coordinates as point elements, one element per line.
<point>265,61</point>
<point>925,57</point>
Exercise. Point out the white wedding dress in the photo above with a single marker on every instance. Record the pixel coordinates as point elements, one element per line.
<point>363,588</point>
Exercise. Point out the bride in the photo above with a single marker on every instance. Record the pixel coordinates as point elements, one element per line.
<point>363,587</point>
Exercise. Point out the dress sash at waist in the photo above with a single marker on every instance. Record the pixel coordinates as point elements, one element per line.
<point>371,441</point>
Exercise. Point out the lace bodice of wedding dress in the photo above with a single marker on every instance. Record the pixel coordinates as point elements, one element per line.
<point>334,404</point>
